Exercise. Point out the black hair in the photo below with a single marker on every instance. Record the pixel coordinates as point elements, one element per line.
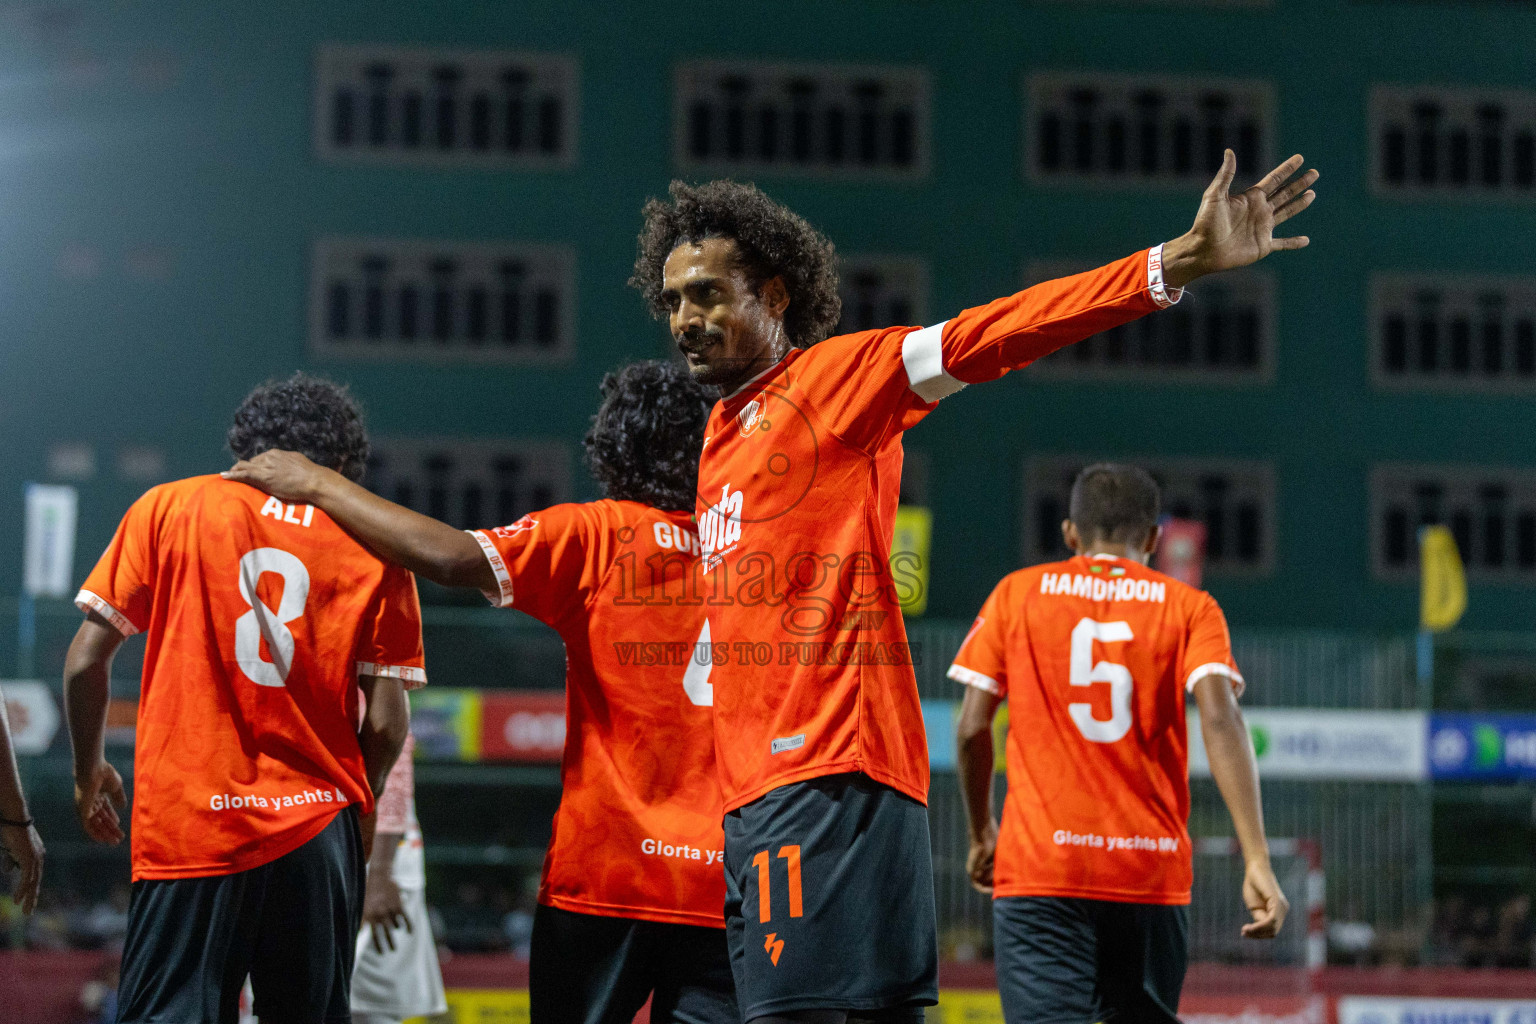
<point>306,414</point>
<point>646,438</point>
<point>1114,502</point>
<point>771,241</point>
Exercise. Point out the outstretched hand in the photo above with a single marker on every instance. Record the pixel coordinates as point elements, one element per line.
<point>287,476</point>
<point>1233,231</point>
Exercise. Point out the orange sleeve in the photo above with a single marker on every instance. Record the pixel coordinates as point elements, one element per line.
<point>1209,650</point>
<point>121,587</point>
<point>982,660</point>
<point>857,387</point>
<point>391,640</point>
<point>986,342</point>
<point>867,386</point>
<point>544,561</point>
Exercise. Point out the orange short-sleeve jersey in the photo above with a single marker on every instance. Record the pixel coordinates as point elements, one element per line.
<point>259,617</point>
<point>1095,657</point>
<point>638,832</point>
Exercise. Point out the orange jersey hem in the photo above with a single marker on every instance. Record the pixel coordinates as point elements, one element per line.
<point>634,913</point>
<point>817,771</point>
<point>1079,893</point>
<point>266,855</point>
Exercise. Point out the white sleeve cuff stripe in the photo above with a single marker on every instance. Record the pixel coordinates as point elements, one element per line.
<point>405,673</point>
<point>922,352</point>
<point>970,677</point>
<point>1214,668</point>
<point>89,602</point>
<point>1161,293</point>
<point>503,597</point>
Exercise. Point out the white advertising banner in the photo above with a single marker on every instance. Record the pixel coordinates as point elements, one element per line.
<point>33,713</point>
<point>50,541</point>
<point>1313,743</point>
<point>1374,1010</point>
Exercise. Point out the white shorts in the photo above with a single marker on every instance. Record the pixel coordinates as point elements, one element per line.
<point>404,982</point>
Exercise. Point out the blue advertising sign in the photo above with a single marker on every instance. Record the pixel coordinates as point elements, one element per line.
<point>1482,748</point>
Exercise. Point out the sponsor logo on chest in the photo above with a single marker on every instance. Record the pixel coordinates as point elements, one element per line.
<point>750,417</point>
<point>720,527</point>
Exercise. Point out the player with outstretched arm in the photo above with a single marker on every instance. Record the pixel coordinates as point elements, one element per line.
<point>266,625</point>
<point>630,899</point>
<point>820,743</point>
<point>1091,868</point>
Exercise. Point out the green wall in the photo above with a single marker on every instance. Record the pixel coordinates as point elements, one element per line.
<point>178,134</point>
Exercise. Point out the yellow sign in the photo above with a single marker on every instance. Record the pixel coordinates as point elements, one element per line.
<point>510,1006</point>
<point>1000,741</point>
<point>488,1006</point>
<point>909,558</point>
<point>966,1006</point>
<point>1442,582</point>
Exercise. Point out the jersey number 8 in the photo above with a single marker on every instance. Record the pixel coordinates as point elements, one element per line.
<point>1085,672</point>
<point>263,623</point>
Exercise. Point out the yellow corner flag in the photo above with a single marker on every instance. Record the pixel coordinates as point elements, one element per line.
<point>1442,582</point>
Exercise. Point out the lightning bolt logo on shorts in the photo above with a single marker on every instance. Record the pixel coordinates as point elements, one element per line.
<point>774,946</point>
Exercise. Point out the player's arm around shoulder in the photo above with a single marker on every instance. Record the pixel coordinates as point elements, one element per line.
<point>431,549</point>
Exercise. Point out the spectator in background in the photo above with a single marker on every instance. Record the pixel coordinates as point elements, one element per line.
<point>1476,943</point>
<point>517,922</point>
<point>471,924</point>
<point>105,924</point>
<point>1449,919</point>
<point>98,997</point>
<point>396,975</point>
<point>1512,934</point>
<point>19,842</point>
<point>48,928</point>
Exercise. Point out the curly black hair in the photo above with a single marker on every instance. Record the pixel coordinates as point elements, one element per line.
<point>306,414</point>
<point>646,438</point>
<point>770,240</point>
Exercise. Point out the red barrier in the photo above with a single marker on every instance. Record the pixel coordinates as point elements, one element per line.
<point>45,987</point>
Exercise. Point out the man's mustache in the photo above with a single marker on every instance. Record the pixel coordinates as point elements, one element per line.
<point>699,337</point>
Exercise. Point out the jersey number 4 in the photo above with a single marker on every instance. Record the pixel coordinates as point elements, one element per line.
<point>1084,671</point>
<point>263,623</point>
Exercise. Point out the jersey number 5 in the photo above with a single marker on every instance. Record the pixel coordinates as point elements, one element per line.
<point>262,623</point>
<point>1084,672</point>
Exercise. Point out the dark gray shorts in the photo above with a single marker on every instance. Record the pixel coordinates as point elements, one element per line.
<point>291,925</point>
<point>586,969</point>
<point>846,918</point>
<point>1077,961</point>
